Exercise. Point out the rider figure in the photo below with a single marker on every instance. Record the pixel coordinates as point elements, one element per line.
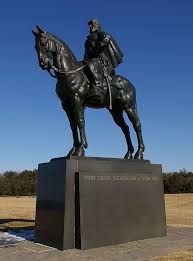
<point>102,55</point>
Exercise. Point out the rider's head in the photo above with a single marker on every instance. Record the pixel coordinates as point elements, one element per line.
<point>94,25</point>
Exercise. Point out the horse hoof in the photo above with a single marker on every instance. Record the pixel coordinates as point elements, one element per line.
<point>79,152</point>
<point>128,155</point>
<point>138,156</point>
<point>71,152</point>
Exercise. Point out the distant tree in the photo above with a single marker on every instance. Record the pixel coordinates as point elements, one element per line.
<point>18,184</point>
<point>178,182</point>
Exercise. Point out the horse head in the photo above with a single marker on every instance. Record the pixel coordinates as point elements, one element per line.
<point>48,47</point>
<point>44,47</point>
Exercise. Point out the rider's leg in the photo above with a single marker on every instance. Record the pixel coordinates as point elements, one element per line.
<point>96,80</point>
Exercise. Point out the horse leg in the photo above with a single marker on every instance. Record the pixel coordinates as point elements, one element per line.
<point>132,115</point>
<point>81,125</point>
<point>74,128</point>
<point>118,118</point>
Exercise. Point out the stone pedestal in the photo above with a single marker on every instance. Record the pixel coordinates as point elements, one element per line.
<point>54,225</point>
<point>93,202</point>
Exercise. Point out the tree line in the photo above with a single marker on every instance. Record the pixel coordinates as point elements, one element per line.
<point>178,182</point>
<point>24,183</point>
<point>18,184</point>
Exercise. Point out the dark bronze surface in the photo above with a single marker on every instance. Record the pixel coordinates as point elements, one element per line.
<point>120,201</point>
<point>54,224</point>
<point>91,83</point>
<point>93,202</point>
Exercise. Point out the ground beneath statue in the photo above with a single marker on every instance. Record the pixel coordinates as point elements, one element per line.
<point>13,246</point>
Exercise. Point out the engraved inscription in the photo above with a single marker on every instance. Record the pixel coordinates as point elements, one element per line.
<point>123,178</point>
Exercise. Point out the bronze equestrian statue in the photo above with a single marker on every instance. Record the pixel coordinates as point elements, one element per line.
<point>91,83</point>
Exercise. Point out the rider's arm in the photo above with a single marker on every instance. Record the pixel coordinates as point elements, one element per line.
<point>106,40</point>
<point>85,52</point>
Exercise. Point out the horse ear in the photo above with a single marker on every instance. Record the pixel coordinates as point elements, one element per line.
<point>39,29</point>
<point>34,33</point>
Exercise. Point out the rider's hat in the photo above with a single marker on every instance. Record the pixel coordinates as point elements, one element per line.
<point>94,22</point>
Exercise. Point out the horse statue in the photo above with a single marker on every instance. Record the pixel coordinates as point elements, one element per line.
<point>72,88</point>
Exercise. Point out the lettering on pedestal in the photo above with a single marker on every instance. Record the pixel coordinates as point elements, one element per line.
<point>106,178</point>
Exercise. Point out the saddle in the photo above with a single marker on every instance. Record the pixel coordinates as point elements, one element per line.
<point>97,94</point>
<point>114,80</point>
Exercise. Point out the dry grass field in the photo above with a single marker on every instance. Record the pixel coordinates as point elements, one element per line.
<point>20,213</point>
<point>17,212</point>
<point>179,210</point>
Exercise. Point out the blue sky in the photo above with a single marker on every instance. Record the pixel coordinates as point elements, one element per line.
<point>156,37</point>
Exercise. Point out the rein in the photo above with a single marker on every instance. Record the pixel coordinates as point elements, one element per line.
<point>62,71</point>
<point>107,77</point>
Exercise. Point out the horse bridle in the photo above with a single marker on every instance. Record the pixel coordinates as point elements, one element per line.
<point>55,69</point>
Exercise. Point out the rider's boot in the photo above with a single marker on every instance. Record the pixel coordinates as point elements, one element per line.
<point>95,92</point>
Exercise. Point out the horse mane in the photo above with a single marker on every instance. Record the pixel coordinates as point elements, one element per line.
<point>63,44</point>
